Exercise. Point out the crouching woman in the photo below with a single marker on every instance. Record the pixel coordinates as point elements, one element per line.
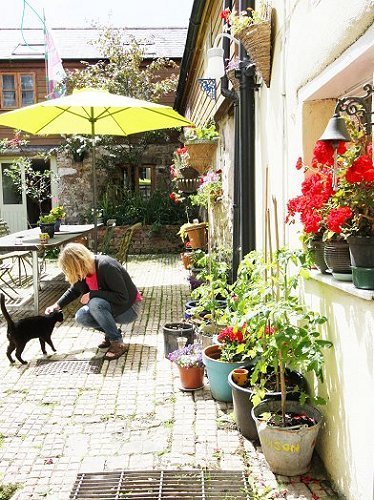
<point>106,291</point>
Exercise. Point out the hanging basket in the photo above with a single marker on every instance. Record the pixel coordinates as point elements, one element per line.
<point>201,154</point>
<point>257,42</point>
<point>189,173</point>
<point>188,185</point>
<point>234,81</point>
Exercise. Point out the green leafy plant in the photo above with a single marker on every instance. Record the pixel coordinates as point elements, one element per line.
<point>203,134</point>
<point>58,212</point>
<point>47,219</point>
<point>287,331</point>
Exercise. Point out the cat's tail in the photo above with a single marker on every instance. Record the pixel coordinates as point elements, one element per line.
<point>4,310</point>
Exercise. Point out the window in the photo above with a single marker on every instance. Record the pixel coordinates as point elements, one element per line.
<point>17,90</point>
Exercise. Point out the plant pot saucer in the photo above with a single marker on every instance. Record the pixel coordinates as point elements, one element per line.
<point>183,389</point>
<point>342,276</point>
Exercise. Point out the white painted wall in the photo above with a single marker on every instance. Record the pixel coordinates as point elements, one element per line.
<point>321,50</point>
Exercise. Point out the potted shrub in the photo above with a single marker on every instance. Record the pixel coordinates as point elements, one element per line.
<point>190,365</point>
<point>201,143</point>
<point>287,337</point>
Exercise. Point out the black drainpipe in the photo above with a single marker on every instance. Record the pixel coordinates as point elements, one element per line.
<point>248,85</point>
<point>236,201</point>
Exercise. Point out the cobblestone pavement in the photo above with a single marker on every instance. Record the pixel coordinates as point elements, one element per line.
<point>130,415</point>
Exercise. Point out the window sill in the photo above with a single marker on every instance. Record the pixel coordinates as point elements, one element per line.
<point>344,286</point>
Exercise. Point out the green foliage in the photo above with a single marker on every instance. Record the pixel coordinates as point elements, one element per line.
<point>201,134</point>
<point>47,219</point>
<point>58,212</point>
<point>129,207</point>
<point>266,298</point>
<point>124,72</point>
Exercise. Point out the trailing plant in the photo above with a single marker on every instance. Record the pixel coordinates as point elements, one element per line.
<point>200,134</point>
<point>210,189</point>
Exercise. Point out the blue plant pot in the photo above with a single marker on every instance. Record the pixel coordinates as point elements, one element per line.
<point>218,372</point>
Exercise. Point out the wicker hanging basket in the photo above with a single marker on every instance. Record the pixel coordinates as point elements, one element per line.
<point>235,82</point>
<point>188,185</point>
<point>189,173</point>
<point>201,155</point>
<point>257,42</point>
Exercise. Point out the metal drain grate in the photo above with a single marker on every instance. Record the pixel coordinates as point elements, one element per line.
<point>48,367</point>
<point>161,485</point>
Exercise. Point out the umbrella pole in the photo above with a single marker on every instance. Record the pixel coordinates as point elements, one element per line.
<point>94,180</point>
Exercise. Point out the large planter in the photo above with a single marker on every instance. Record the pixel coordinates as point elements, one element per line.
<point>243,405</point>
<point>197,235</point>
<point>287,450</point>
<point>218,372</point>
<point>173,331</point>
<point>201,154</point>
<point>361,250</point>
<point>257,43</point>
<point>191,378</point>
<point>337,258</point>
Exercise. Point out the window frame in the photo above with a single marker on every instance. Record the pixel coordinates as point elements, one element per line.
<point>18,87</point>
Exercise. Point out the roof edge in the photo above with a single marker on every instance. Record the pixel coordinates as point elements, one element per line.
<point>193,30</point>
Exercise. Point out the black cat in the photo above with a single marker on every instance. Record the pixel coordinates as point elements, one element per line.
<point>35,327</point>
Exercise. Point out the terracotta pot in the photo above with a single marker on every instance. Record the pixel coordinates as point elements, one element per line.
<point>191,378</point>
<point>186,259</point>
<point>240,376</point>
<point>197,235</point>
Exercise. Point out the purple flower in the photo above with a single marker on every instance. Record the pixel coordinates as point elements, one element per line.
<point>188,357</point>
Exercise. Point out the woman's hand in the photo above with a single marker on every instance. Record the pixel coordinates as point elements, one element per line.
<point>53,307</point>
<point>85,298</point>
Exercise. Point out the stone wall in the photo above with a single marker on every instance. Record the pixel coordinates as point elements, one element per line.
<point>145,241</point>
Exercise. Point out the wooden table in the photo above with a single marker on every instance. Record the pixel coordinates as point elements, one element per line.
<point>29,240</point>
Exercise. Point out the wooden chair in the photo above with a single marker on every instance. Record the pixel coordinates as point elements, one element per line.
<point>124,246</point>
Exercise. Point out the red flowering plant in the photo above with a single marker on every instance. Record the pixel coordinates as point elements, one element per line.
<point>180,162</point>
<point>350,210</point>
<point>337,200</point>
<point>236,343</point>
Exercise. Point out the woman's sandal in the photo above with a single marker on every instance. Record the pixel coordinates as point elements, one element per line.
<point>115,351</point>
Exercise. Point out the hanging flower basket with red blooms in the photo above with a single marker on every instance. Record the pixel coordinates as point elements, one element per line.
<point>253,29</point>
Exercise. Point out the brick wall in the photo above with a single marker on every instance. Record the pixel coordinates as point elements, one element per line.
<point>146,242</point>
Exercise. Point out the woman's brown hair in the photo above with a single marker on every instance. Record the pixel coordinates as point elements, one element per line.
<point>76,262</point>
